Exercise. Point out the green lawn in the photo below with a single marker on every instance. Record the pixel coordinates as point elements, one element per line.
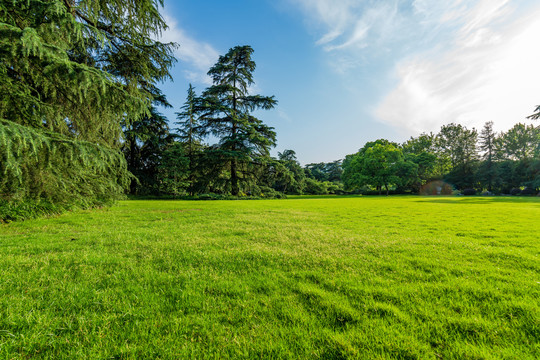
<point>329,278</point>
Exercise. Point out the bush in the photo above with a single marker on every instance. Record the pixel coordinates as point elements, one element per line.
<point>515,191</point>
<point>315,187</point>
<point>469,192</point>
<point>446,189</point>
<point>528,191</point>
<point>31,209</point>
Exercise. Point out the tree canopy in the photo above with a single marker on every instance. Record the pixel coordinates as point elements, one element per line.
<point>228,107</point>
<point>71,73</point>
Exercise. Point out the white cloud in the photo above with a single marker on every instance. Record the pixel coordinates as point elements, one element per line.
<point>348,23</point>
<point>488,73</point>
<point>197,55</point>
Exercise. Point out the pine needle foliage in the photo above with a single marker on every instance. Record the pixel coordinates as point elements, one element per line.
<point>245,141</point>
<point>71,73</point>
<point>45,166</point>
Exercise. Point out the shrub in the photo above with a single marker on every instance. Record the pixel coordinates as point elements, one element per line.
<point>515,191</point>
<point>528,191</point>
<point>469,192</point>
<point>446,189</point>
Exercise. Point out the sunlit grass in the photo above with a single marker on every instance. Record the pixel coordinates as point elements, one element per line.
<point>397,277</point>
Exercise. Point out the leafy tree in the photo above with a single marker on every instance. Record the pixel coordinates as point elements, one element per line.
<point>459,144</point>
<point>417,145</point>
<point>331,171</point>
<point>376,164</point>
<point>292,181</point>
<point>520,142</point>
<point>228,107</point>
<point>422,152</point>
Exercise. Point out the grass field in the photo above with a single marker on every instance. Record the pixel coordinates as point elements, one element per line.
<point>328,278</point>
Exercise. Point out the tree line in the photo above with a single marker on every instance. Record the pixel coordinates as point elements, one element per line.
<point>456,158</point>
<point>80,123</point>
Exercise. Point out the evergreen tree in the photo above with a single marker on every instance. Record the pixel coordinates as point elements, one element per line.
<point>72,71</point>
<point>190,132</point>
<point>488,142</point>
<point>244,139</point>
<point>77,67</point>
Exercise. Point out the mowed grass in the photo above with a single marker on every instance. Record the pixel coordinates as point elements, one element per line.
<point>313,278</point>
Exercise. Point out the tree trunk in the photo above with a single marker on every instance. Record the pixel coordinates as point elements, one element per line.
<point>234,178</point>
<point>386,186</point>
<point>132,163</point>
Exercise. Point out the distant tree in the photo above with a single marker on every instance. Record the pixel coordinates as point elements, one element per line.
<point>292,180</point>
<point>423,171</point>
<point>173,170</point>
<point>287,155</point>
<point>422,151</point>
<point>146,140</point>
<point>191,132</point>
<point>417,145</point>
<point>227,107</point>
<point>377,164</point>
<point>459,144</point>
<point>520,142</point>
<point>488,145</point>
<point>330,171</point>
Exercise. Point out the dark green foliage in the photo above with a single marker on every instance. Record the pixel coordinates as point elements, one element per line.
<point>468,192</point>
<point>293,177</point>
<point>173,170</point>
<point>377,164</point>
<point>458,144</point>
<point>331,171</point>
<point>515,191</point>
<point>244,140</point>
<point>520,142</point>
<point>191,133</point>
<point>146,140</point>
<point>528,191</point>
<point>76,67</point>
<point>44,166</point>
<point>71,73</point>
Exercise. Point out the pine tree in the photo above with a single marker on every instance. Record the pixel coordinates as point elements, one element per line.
<point>488,140</point>
<point>72,71</point>
<point>227,114</point>
<point>190,131</point>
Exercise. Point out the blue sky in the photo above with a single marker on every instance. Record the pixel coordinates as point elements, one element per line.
<point>349,71</point>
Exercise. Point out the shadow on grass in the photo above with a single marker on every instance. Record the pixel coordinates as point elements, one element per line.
<point>460,200</point>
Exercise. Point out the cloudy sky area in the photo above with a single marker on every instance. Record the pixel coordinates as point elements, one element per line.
<point>350,71</point>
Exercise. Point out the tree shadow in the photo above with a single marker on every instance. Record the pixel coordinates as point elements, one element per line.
<point>453,200</point>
